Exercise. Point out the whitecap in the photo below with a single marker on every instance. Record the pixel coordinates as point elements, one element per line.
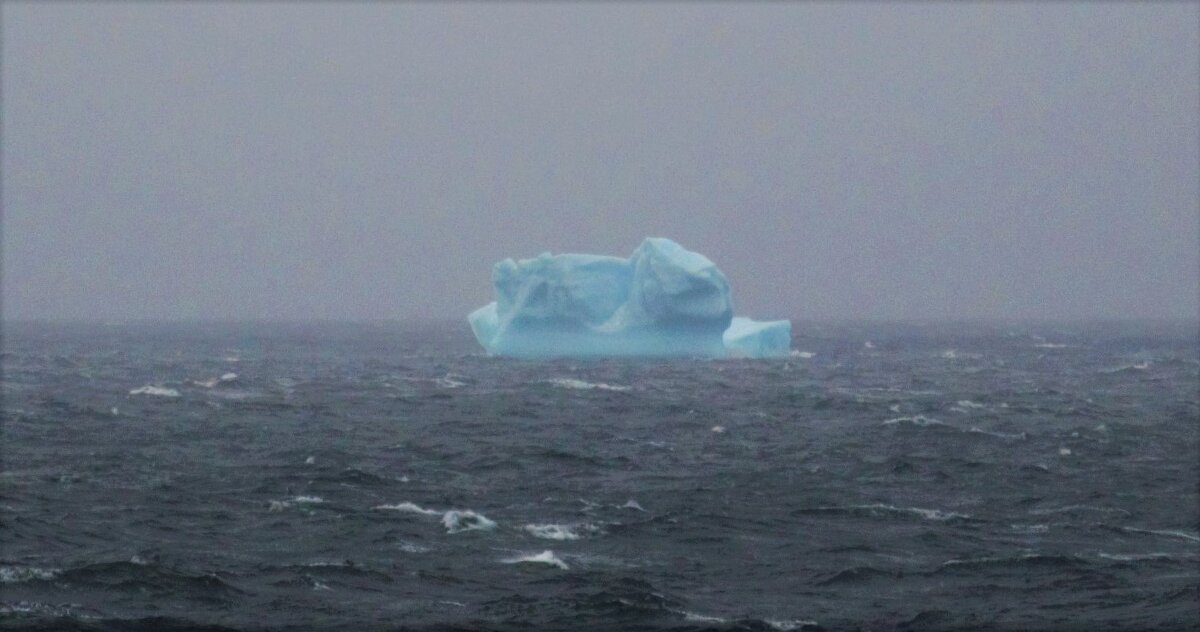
<point>949,354</point>
<point>545,557</point>
<point>700,618</point>
<point>229,377</point>
<point>409,547</point>
<point>632,504</point>
<point>409,507</point>
<point>308,500</point>
<point>1000,435</point>
<point>1050,345</point>
<point>1077,508</point>
<point>156,391</point>
<point>916,420</point>
<point>18,574</point>
<point>449,382</point>
<point>1164,532</point>
<point>802,354</point>
<point>558,531</point>
<point>1134,557</point>
<point>928,514</point>
<point>563,382</point>
<point>718,429</point>
<point>457,521</point>
<point>1139,366</point>
<point>793,624</point>
<point>966,403</point>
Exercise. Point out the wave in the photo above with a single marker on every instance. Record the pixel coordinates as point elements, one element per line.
<point>455,520</point>
<point>1164,532</point>
<point>149,578</point>
<point>700,618</point>
<point>937,515</point>
<point>915,420</point>
<point>156,391</point>
<point>999,435</point>
<point>563,382</point>
<point>334,571</point>
<point>280,505</point>
<point>922,421</point>
<point>559,531</point>
<point>409,507</point>
<point>1135,557</point>
<point>928,514</point>
<point>1077,509</point>
<point>410,547</point>
<point>1015,561</point>
<point>858,574</point>
<point>1125,368</point>
<point>785,625</point>
<point>352,476</point>
<point>448,381</point>
<point>21,574</point>
<point>545,557</point>
<point>214,382</point>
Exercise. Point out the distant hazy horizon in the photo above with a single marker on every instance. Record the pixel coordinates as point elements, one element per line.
<point>371,162</point>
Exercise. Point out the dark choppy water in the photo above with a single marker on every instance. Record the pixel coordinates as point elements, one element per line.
<point>361,477</point>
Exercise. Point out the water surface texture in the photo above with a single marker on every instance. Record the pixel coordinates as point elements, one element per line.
<point>389,476</point>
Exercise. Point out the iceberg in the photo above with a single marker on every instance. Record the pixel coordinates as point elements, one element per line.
<point>747,338</point>
<point>664,300</point>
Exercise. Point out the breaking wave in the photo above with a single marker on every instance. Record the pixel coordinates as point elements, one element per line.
<point>156,391</point>
<point>545,557</point>
<point>563,382</point>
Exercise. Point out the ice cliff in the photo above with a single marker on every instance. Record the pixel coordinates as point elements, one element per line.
<point>664,300</point>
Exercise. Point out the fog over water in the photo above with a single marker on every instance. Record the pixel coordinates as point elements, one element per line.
<point>373,160</point>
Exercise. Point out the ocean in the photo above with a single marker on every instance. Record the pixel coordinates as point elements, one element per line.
<point>922,476</point>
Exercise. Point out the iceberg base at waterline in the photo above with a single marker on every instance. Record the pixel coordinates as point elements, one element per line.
<point>664,300</point>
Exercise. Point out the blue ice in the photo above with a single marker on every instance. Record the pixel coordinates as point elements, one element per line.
<point>664,300</point>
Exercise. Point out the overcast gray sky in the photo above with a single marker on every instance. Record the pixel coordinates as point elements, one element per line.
<point>373,160</point>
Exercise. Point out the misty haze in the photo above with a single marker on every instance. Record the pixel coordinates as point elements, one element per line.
<point>282,349</point>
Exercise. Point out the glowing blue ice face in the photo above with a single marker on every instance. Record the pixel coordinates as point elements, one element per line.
<point>662,301</point>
